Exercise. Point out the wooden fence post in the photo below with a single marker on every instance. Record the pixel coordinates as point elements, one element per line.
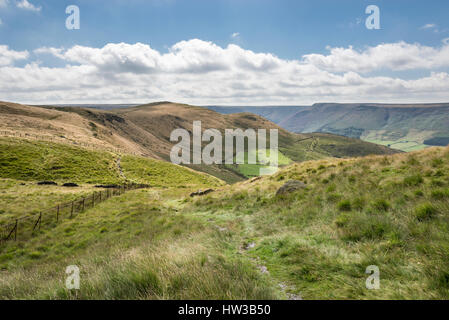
<point>15,228</point>
<point>71,211</point>
<point>57,214</point>
<point>38,222</point>
<point>83,204</point>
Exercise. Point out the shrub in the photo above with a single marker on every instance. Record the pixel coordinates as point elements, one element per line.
<point>334,197</point>
<point>344,205</point>
<point>358,203</point>
<point>342,220</point>
<point>440,194</point>
<point>437,162</point>
<point>425,211</point>
<point>361,227</point>
<point>419,193</point>
<point>439,173</point>
<point>436,183</point>
<point>381,205</point>
<point>413,180</point>
<point>331,188</point>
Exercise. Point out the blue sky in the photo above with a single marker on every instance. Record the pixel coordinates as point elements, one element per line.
<point>288,30</point>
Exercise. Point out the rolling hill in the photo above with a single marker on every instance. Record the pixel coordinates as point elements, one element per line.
<point>405,127</point>
<point>313,243</point>
<point>145,130</point>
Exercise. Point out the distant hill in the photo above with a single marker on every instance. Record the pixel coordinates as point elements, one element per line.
<point>402,126</point>
<point>145,130</point>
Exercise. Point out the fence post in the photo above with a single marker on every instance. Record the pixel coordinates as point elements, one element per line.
<point>15,228</point>
<point>38,222</point>
<point>71,211</point>
<point>83,204</point>
<point>57,214</point>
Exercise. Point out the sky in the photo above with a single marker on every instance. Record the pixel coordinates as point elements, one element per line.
<point>224,52</point>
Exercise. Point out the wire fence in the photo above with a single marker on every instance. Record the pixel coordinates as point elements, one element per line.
<point>28,225</point>
<point>62,139</point>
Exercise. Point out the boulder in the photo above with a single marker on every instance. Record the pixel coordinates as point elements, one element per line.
<point>47,183</point>
<point>201,193</point>
<point>107,186</point>
<point>291,186</point>
<point>70,184</point>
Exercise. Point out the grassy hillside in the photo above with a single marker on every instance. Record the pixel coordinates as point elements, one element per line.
<point>23,159</point>
<point>392,212</point>
<point>145,130</point>
<point>23,163</point>
<point>389,211</point>
<point>164,174</point>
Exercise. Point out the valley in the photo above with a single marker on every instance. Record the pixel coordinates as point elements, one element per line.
<point>405,127</point>
<point>357,204</point>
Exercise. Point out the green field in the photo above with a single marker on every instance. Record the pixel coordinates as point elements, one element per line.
<point>253,170</point>
<point>406,146</point>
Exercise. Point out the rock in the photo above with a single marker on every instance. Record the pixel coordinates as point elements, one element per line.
<point>291,186</point>
<point>47,183</point>
<point>70,184</point>
<point>255,179</point>
<point>107,186</point>
<point>201,193</point>
<point>263,269</point>
<point>249,246</point>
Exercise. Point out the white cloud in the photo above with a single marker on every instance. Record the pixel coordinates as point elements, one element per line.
<point>428,26</point>
<point>3,3</point>
<point>7,57</point>
<point>25,4</point>
<point>235,35</point>
<point>201,72</point>
<point>393,56</point>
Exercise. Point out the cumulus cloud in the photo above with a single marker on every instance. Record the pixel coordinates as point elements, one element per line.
<point>394,56</point>
<point>25,4</point>
<point>201,72</point>
<point>7,56</point>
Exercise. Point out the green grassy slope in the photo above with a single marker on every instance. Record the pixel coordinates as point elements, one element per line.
<point>388,211</point>
<point>24,162</point>
<point>164,174</point>
<point>34,160</point>
<point>392,212</point>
